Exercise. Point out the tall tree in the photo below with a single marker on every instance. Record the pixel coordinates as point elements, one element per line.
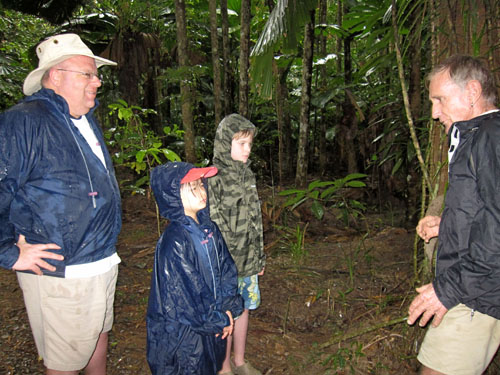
<point>323,7</point>
<point>244,57</point>
<point>463,27</point>
<point>349,120</point>
<point>226,48</point>
<point>283,122</point>
<point>307,59</point>
<point>186,91</point>
<point>281,33</point>
<point>214,38</point>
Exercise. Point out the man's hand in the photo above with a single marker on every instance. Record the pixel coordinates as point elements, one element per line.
<point>31,256</point>
<point>428,227</point>
<point>426,303</point>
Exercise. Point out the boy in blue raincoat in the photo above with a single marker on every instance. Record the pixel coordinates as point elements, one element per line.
<point>193,296</point>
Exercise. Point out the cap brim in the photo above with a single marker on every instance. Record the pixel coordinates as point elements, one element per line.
<point>33,81</point>
<point>196,173</point>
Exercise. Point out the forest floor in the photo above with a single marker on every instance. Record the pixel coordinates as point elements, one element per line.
<point>337,307</point>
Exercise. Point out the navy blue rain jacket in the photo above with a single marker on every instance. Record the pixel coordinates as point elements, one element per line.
<point>194,283</point>
<point>48,177</point>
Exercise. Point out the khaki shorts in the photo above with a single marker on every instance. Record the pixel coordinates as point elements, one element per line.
<point>462,344</point>
<point>68,315</point>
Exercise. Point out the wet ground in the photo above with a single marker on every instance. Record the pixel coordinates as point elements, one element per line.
<point>336,308</point>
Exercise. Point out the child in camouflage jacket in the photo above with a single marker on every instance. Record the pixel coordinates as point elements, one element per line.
<point>235,207</point>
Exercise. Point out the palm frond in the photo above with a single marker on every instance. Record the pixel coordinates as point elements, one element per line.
<point>285,23</point>
<point>283,27</point>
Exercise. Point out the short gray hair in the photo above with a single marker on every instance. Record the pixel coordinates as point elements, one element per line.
<point>45,77</point>
<point>464,68</point>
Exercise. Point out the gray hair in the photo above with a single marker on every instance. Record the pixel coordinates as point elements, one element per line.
<point>464,68</point>
<point>45,77</point>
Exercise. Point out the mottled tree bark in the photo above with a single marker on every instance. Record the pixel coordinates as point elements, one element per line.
<point>305,105</point>
<point>349,119</point>
<point>226,48</point>
<point>244,58</point>
<point>323,156</point>
<point>214,38</point>
<point>186,95</point>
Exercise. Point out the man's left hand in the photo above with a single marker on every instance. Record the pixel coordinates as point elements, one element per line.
<point>428,304</point>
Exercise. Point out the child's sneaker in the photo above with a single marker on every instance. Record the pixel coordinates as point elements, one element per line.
<point>246,369</point>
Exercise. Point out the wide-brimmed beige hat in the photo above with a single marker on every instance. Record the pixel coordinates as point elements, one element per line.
<point>54,50</point>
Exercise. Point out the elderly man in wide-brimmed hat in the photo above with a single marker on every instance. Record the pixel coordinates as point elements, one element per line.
<point>60,207</point>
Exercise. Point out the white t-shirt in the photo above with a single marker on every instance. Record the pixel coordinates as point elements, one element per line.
<point>455,137</point>
<point>83,125</point>
<point>101,266</point>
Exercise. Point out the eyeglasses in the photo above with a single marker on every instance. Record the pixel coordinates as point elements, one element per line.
<point>89,76</point>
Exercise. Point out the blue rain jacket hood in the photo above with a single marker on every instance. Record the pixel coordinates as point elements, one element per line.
<point>194,283</point>
<point>53,188</point>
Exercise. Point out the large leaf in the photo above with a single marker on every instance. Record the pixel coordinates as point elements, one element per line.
<point>55,11</point>
<point>282,29</point>
<point>318,210</point>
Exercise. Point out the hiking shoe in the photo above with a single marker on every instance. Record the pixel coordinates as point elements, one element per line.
<point>246,369</point>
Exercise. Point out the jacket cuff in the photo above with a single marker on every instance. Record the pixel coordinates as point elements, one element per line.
<point>447,301</point>
<point>9,257</point>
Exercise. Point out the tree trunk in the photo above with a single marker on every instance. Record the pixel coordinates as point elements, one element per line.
<point>214,38</point>
<point>450,17</point>
<point>186,95</point>
<point>323,156</point>
<point>281,101</point>
<point>415,97</point>
<point>339,45</point>
<point>349,119</point>
<point>128,73</point>
<point>307,58</point>
<point>284,132</point>
<point>244,57</point>
<point>226,48</point>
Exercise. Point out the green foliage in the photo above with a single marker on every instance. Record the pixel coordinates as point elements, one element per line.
<point>18,34</point>
<point>282,30</point>
<point>139,148</point>
<point>323,193</point>
<point>344,358</point>
<point>295,241</point>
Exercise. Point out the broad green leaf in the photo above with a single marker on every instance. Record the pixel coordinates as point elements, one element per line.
<point>356,184</point>
<point>318,210</point>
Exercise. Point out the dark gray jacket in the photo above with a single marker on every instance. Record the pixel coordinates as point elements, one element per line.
<point>468,255</point>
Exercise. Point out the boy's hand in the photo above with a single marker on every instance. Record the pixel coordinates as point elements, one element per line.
<point>261,273</point>
<point>228,330</point>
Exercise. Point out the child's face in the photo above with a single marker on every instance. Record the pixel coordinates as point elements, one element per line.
<point>241,148</point>
<point>194,198</point>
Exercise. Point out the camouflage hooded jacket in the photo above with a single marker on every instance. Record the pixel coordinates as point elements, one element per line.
<point>234,203</point>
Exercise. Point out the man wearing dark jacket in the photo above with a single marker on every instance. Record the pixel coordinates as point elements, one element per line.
<point>60,207</point>
<point>464,297</point>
